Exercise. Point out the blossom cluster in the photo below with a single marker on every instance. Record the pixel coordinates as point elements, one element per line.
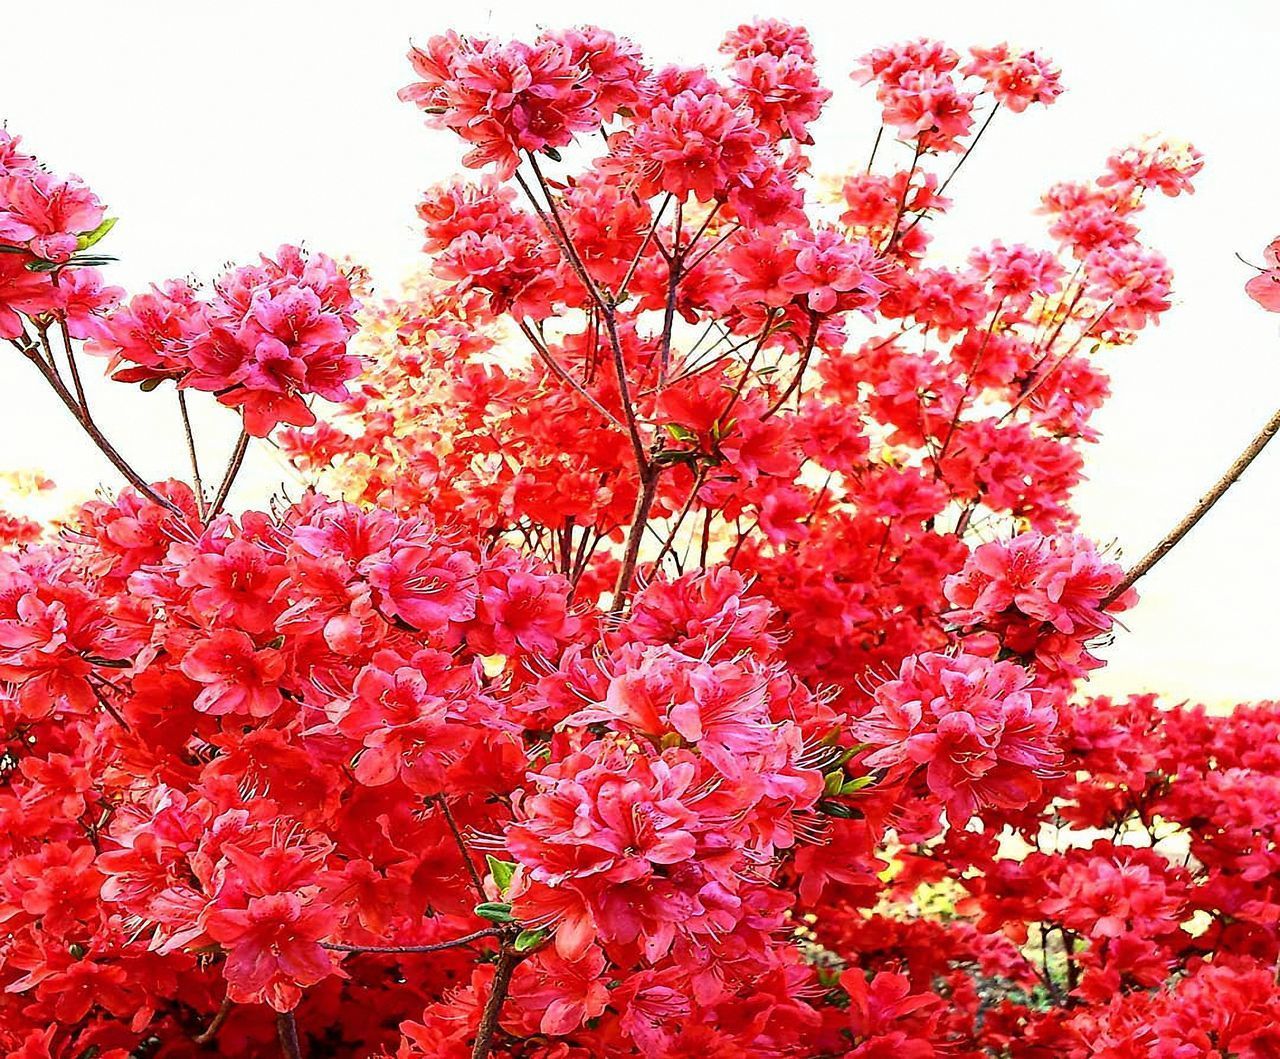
<point>267,338</point>
<point>679,633</point>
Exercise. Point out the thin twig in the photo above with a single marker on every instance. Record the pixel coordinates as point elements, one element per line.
<point>228,479</point>
<point>91,428</point>
<point>952,175</point>
<point>814,323</point>
<point>621,296</point>
<point>639,519</point>
<point>191,452</point>
<point>558,371</point>
<point>1167,543</point>
<point>211,1031</point>
<point>439,946</point>
<point>476,881</point>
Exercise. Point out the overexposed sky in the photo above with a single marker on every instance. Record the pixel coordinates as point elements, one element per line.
<point>214,130</point>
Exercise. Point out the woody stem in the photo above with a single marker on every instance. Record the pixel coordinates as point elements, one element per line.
<point>1170,540</point>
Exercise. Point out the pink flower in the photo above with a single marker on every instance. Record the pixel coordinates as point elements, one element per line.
<point>83,300</point>
<point>971,722</point>
<point>695,145</point>
<point>835,273</point>
<point>428,586</point>
<point>1264,288</point>
<point>235,586</point>
<point>1042,596</point>
<point>400,720</point>
<point>1133,281</point>
<point>783,93</point>
<point>273,948</point>
<point>44,214</point>
<point>1015,79</point>
<point>21,292</point>
<point>768,36</point>
<point>507,98</point>
<point>522,612</point>
<point>237,677</point>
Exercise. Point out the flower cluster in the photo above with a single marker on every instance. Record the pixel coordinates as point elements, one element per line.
<point>981,734</point>
<point>1042,598</point>
<point>268,337</point>
<point>674,650</point>
<point>45,223</point>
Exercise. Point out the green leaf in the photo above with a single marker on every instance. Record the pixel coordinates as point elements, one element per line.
<point>495,912</point>
<point>833,782</point>
<point>147,385</point>
<point>857,784</point>
<point>552,153</point>
<point>681,433</point>
<point>86,239</point>
<point>502,871</point>
<point>528,940</point>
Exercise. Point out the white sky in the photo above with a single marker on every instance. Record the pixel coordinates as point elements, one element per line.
<point>214,130</point>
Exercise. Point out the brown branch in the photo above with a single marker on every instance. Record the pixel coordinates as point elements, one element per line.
<point>1167,543</point>
<point>673,286</point>
<point>228,479</point>
<point>621,296</point>
<point>476,881</point>
<point>952,175</point>
<point>639,519</point>
<point>216,1024</point>
<point>559,372</point>
<point>287,1031</point>
<point>814,323</point>
<point>439,946</point>
<point>191,453</point>
<point>87,424</point>
<point>698,478</point>
<point>106,705</point>
<point>508,958</point>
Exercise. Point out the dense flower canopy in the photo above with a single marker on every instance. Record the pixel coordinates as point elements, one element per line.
<point>678,647</point>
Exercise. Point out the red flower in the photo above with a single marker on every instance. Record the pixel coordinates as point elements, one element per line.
<point>273,948</point>
<point>237,677</point>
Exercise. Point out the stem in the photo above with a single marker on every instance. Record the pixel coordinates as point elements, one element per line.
<point>558,371</point>
<point>968,390</point>
<point>476,881</point>
<point>906,193</point>
<point>698,479</point>
<point>105,703</point>
<point>506,965</point>
<point>191,452</point>
<point>644,503</point>
<point>439,946</point>
<point>214,1026</point>
<point>91,428</point>
<point>673,284</point>
<point>1198,512</point>
<point>71,363</point>
<point>228,479</point>
<point>559,232</point>
<point>621,296</point>
<point>814,322</point>
<point>287,1031</point>
<point>875,147</point>
<point>952,175</point>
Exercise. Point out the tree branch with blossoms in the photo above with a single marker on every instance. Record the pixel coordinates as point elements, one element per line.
<point>681,646</point>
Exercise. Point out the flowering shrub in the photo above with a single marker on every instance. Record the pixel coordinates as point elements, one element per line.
<point>679,650</point>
